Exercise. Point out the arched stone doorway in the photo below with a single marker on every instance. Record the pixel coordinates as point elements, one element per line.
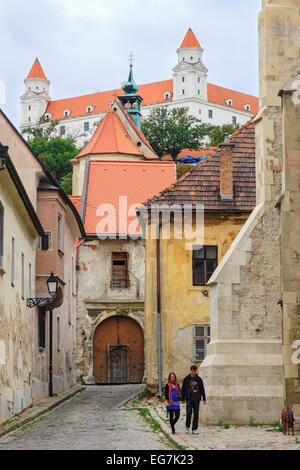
<point>118,351</point>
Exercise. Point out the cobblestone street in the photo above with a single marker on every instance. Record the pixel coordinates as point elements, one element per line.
<point>88,421</point>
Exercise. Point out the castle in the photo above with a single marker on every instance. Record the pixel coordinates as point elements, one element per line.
<point>78,115</point>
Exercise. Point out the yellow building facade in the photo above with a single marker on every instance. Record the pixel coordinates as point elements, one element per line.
<point>179,284</point>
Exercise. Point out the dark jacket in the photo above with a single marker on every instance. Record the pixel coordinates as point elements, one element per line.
<point>186,388</point>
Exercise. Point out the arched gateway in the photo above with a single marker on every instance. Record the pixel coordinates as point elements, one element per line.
<point>118,351</point>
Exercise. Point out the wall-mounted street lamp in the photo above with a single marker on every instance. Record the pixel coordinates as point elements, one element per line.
<point>205,293</point>
<point>52,283</point>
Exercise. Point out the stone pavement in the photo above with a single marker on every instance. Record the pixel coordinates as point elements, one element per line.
<point>220,438</point>
<point>89,421</point>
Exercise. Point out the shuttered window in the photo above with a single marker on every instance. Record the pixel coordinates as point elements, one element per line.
<point>119,278</point>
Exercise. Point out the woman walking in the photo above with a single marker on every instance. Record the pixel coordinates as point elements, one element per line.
<point>173,397</point>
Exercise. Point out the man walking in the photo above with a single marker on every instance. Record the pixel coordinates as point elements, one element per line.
<point>192,391</point>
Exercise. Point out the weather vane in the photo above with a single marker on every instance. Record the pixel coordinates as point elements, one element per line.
<point>131,58</point>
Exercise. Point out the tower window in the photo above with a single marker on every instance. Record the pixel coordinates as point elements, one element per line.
<point>198,79</point>
<point>29,107</point>
<point>234,120</point>
<point>182,79</point>
<point>29,118</point>
<point>36,87</point>
<point>199,111</point>
<point>210,113</point>
<point>183,92</point>
<point>198,92</point>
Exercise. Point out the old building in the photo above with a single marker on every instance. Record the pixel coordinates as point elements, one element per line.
<point>252,365</point>
<point>220,191</point>
<point>113,173</point>
<point>19,229</point>
<point>211,103</point>
<point>52,322</point>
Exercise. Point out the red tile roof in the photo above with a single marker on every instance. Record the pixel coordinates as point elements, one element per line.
<point>190,40</point>
<point>201,184</point>
<point>110,137</point>
<point>76,201</point>
<point>36,70</point>
<point>151,93</point>
<point>134,181</point>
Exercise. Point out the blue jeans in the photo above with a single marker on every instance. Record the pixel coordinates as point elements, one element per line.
<point>192,405</point>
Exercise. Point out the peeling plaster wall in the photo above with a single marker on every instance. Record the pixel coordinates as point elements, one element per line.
<point>97,301</point>
<point>183,305</point>
<point>15,317</point>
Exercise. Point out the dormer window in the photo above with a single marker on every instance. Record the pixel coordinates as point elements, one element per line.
<point>90,108</point>
<point>247,107</point>
<point>229,102</point>
<point>47,116</point>
<point>67,112</point>
<point>167,95</point>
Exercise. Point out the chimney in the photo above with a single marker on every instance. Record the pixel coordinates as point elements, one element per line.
<point>226,169</point>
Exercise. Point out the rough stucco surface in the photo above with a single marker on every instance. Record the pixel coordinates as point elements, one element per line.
<point>96,301</point>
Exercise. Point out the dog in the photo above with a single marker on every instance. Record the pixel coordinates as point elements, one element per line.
<point>287,420</point>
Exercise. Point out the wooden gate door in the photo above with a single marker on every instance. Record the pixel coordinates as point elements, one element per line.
<point>117,363</point>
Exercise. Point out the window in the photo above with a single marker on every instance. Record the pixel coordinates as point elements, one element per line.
<point>210,113</point>
<point>1,234</point>
<point>201,340</point>
<point>198,92</point>
<point>167,95</point>
<point>199,111</point>
<point>89,109</point>
<point>29,107</point>
<point>229,102</point>
<point>45,242</point>
<point>183,92</point>
<point>59,232</point>
<point>12,279</point>
<point>41,328</point>
<point>119,277</point>
<point>58,332</point>
<point>233,119</point>
<point>67,112</point>
<point>182,79</point>
<point>191,58</point>
<point>86,126</point>
<point>198,79</point>
<point>205,261</point>
<point>22,276</point>
<point>29,118</point>
<point>29,281</point>
<point>62,130</point>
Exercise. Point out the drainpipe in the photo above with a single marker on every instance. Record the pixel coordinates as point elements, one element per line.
<point>158,283</point>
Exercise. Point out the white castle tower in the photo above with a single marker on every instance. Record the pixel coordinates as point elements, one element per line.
<point>190,74</point>
<point>35,100</point>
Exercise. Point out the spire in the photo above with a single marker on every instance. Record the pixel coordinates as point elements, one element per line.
<point>190,40</point>
<point>130,101</point>
<point>36,70</point>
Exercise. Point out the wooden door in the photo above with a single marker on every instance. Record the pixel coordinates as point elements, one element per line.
<point>117,363</point>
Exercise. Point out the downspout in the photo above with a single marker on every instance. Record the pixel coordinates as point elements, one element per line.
<point>158,286</point>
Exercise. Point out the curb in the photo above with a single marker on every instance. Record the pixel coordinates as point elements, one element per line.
<point>40,408</point>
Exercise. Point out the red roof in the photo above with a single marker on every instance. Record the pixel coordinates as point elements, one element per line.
<point>76,201</point>
<point>36,70</point>
<point>151,93</point>
<point>110,137</point>
<point>201,184</point>
<point>190,40</point>
<point>122,184</point>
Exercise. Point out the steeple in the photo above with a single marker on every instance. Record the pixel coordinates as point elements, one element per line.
<point>190,40</point>
<point>130,101</point>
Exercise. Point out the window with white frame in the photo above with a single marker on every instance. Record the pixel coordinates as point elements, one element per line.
<point>201,340</point>
<point>45,242</point>
<point>210,113</point>
<point>12,278</point>
<point>86,126</point>
<point>22,276</point>
<point>59,232</point>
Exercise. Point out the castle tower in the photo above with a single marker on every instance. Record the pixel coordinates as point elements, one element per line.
<point>130,101</point>
<point>35,100</point>
<point>190,74</point>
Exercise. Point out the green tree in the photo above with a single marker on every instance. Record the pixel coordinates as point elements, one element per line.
<point>56,153</point>
<point>217,134</point>
<point>47,132</point>
<point>170,131</point>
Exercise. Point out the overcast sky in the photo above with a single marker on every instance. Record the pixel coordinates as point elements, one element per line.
<point>83,45</point>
